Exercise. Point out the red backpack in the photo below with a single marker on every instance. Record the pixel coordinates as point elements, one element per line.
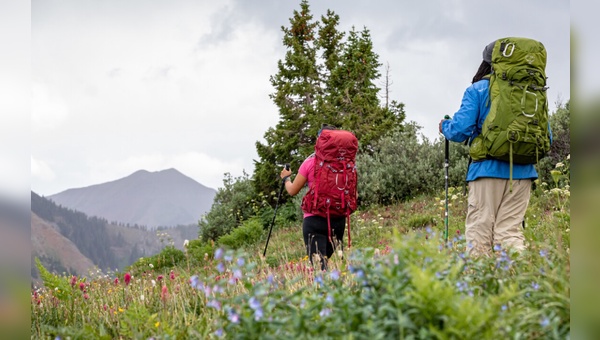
<point>333,192</point>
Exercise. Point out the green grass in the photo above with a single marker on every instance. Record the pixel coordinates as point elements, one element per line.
<point>396,281</point>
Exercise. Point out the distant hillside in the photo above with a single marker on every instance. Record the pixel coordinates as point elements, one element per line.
<point>152,199</point>
<point>69,241</point>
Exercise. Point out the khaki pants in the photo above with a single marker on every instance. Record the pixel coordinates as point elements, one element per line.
<point>495,214</point>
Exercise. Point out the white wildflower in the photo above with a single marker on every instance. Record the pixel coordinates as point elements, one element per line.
<point>151,265</point>
<point>186,243</point>
<point>559,165</point>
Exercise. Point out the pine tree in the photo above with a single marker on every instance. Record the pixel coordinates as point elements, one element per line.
<point>297,88</point>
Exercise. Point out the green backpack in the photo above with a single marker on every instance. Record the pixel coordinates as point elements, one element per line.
<point>516,128</point>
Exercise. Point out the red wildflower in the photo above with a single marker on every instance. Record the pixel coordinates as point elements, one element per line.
<point>116,281</point>
<point>85,296</point>
<point>160,277</point>
<point>172,276</point>
<point>164,294</point>
<point>73,281</point>
<point>127,279</point>
<point>81,286</point>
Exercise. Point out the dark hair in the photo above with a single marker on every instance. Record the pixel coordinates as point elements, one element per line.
<point>326,127</point>
<point>484,69</point>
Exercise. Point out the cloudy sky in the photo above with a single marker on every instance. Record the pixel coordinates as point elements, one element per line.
<point>119,86</point>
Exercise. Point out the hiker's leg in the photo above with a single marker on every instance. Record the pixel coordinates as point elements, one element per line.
<point>485,195</point>
<point>338,226</point>
<point>314,239</point>
<point>508,231</point>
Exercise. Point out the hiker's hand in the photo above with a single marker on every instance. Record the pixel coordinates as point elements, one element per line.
<point>285,173</point>
<point>440,126</point>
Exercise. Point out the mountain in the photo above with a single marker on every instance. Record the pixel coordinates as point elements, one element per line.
<point>69,241</point>
<point>152,199</point>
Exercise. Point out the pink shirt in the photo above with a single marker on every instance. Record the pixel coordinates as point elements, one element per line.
<point>307,169</point>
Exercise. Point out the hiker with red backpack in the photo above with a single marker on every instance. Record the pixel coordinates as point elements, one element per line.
<point>330,174</point>
<point>504,116</point>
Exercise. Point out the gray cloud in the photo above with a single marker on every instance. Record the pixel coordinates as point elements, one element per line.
<point>185,84</point>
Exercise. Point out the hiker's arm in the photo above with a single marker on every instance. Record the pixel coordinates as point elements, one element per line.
<point>292,187</point>
<point>464,121</point>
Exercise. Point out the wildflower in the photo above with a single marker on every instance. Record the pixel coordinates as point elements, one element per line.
<point>568,156</point>
<point>127,279</point>
<point>81,286</point>
<point>504,307</point>
<point>151,265</point>
<point>237,274</point>
<point>335,274</point>
<point>219,332</point>
<point>270,279</point>
<point>153,283</point>
<point>543,253</point>
<point>545,322</point>
<point>233,316</point>
<point>220,267</point>
<point>186,243</point>
<point>214,304</point>
<point>160,277</point>
<point>73,280</point>
<point>319,280</point>
<point>535,286</point>
<point>559,165</point>
<point>240,261</point>
<point>329,299</point>
<point>164,294</point>
<point>254,303</point>
<point>218,254</point>
<point>258,314</point>
<point>497,247</point>
<point>228,258</point>
<point>142,297</point>
<point>86,296</point>
<point>116,281</point>
<point>157,324</point>
<point>172,275</point>
<point>325,312</point>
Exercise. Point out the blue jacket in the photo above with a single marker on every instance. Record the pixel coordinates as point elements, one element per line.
<point>467,123</point>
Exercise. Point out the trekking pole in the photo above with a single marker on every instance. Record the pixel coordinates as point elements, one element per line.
<point>287,167</point>
<point>446,165</point>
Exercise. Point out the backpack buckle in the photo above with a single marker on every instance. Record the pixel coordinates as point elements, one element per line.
<point>506,47</point>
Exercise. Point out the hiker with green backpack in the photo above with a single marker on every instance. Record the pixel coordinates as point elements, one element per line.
<point>504,117</point>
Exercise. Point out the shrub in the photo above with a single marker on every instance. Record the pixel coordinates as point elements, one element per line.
<point>167,258</point>
<point>420,221</point>
<point>403,167</point>
<point>247,234</point>
<point>560,122</point>
<point>233,204</point>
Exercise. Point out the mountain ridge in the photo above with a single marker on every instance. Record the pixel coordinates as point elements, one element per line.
<point>152,199</point>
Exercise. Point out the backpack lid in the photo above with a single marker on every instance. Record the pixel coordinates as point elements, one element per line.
<point>336,145</point>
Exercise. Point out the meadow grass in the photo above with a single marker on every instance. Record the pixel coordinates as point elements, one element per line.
<point>398,280</point>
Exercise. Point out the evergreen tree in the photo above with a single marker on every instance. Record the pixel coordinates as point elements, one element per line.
<point>296,91</point>
<point>322,79</point>
<point>354,95</point>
